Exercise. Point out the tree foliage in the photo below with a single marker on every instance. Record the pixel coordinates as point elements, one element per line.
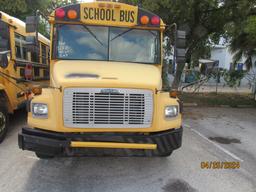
<point>23,8</point>
<point>243,39</point>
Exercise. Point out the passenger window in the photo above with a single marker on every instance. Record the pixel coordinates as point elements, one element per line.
<point>21,51</point>
<point>22,72</point>
<point>34,56</point>
<point>44,54</point>
<point>46,73</point>
<point>36,71</point>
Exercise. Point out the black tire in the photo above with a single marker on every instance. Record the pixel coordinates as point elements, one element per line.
<point>3,123</point>
<point>166,154</point>
<point>43,156</point>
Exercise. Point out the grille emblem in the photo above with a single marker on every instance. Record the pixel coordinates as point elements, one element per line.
<point>110,91</point>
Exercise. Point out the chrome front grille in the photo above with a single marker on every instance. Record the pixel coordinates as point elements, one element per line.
<point>107,108</point>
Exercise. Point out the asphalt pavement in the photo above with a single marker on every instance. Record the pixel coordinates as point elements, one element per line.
<point>210,135</point>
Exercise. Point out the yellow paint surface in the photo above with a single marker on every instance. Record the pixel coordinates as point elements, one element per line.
<point>109,14</point>
<point>112,145</point>
<point>109,75</point>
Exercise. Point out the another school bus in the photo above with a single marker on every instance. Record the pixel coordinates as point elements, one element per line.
<point>106,94</point>
<point>18,63</point>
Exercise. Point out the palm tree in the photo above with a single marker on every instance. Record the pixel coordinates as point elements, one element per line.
<point>243,41</point>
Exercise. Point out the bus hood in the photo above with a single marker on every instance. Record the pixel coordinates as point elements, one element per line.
<point>74,73</point>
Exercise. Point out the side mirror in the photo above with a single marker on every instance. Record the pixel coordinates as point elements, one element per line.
<point>31,24</point>
<point>180,55</point>
<point>180,46</point>
<point>3,59</point>
<point>181,39</point>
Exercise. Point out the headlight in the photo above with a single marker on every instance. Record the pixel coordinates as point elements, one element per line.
<point>171,111</point>
<point>40,110</point>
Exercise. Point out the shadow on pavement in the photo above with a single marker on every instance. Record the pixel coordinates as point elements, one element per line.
<point>16,121</point>
<point>95,174</point>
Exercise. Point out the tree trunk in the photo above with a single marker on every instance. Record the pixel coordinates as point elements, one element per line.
<point>180,67</point>
<point>177,78</point>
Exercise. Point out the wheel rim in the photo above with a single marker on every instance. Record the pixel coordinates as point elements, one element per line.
<point>2,122</point>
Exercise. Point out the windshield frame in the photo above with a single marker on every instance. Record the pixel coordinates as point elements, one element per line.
<point>55,44</point>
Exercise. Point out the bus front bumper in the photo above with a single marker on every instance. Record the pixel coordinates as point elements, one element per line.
<point>94,144</point>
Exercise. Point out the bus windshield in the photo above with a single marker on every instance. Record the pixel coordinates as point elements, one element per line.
<point>81,42</point>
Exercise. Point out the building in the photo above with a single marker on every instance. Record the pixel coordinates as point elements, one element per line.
<point>223,54</point>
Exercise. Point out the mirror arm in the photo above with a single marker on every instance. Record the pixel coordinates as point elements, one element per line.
<point>4,52</point>
<point>175,26</point>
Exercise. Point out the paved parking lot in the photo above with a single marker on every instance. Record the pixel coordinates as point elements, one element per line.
<point>210,134</point>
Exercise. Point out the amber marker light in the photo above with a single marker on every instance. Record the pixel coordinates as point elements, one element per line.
<point>144,20</point>
<point>72,14</point>
<point>173,94</point>
<point>36,90</point>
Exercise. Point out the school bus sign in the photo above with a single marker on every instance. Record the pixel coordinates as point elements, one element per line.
<point>107,14</point>
<point>114,14</point>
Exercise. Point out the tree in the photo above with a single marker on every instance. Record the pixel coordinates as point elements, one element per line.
<point>201,20</point>
<point>23,8</point>
<point>243,39</point>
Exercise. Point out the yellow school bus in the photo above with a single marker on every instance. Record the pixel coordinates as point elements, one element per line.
<point>18,63</point>
<point>106,94</point>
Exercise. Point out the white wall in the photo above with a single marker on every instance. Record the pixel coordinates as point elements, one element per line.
<point>219,54</point>
<point>224,56</point>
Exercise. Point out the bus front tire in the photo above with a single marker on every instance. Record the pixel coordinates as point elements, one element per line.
<point>166,154</point>
<point>3,123</point>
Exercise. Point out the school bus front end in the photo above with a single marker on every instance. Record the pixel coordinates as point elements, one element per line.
<point>106,94</point>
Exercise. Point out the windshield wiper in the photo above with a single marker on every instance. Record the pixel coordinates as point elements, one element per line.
<point>95,37</point>
<point>120,34</point>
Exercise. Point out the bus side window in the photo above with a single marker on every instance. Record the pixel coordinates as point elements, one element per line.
<point>36,71</point>
<point>48,55</point>
<point>34,56</point>
<point>22,72</point>
<point>44,54</point>
<point>4,36</point>
<point>21,51</point>
<point>46,73</point>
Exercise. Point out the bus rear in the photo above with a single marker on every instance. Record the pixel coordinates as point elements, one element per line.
<point>106,93</point>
